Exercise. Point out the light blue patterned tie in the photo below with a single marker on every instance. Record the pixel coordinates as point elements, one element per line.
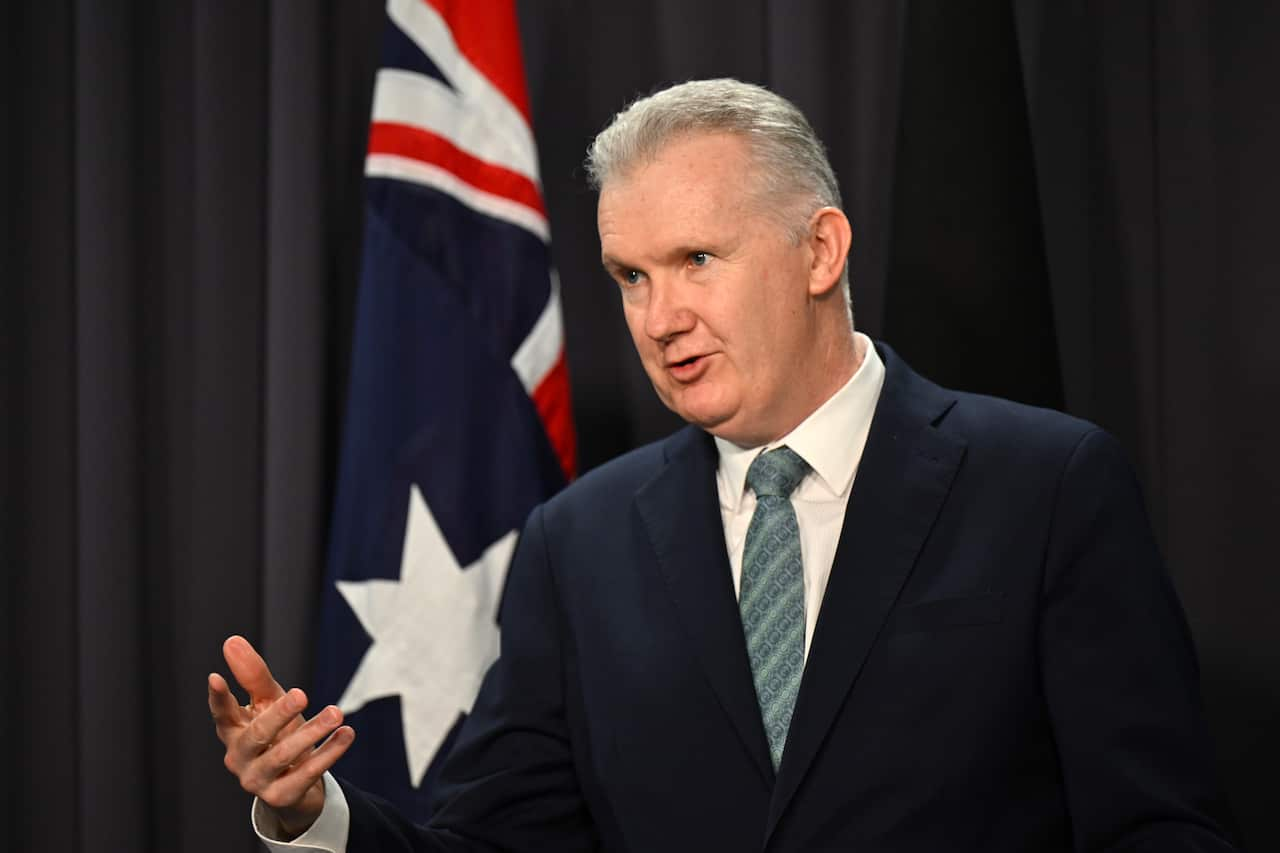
<point>772,592</point>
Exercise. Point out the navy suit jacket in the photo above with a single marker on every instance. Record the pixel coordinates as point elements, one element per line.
<point>1000,663</point>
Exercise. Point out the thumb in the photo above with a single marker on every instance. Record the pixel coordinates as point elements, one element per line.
<point>251,671</point>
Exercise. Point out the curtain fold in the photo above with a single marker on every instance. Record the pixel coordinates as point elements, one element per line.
<point>178,188</point>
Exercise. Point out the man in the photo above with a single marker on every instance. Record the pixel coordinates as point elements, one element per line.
<point>844,609</point>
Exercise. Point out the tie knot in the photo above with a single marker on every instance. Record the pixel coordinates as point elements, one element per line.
<point>777,472</point>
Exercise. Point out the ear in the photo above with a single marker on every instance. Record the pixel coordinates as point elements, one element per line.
<point>830,236</point>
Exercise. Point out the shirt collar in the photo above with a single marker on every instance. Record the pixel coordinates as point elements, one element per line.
<point>830,440</point>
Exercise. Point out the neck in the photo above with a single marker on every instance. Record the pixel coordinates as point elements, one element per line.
<point>841,359</point>
<point>835,365</point>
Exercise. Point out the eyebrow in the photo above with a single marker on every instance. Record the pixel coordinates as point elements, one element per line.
<point>683,251</point>
<point>686,251</point>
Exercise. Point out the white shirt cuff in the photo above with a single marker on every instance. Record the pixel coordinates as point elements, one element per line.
<point>327,835</point>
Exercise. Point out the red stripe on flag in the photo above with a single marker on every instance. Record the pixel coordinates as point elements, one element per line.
<point>551,398</point>
<point>427,147</point>
<point>487,34</point>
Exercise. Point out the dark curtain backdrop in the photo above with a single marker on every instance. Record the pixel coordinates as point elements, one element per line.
<point>1070,204</point>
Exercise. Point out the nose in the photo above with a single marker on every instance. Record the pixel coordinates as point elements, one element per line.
<point>668,313</point>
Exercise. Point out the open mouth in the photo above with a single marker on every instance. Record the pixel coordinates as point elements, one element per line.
<point>688,369</point>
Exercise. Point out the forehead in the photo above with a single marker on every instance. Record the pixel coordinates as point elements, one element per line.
<point>692,185</point>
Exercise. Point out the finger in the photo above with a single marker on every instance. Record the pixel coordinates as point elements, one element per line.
<point>279,760</point>
<point>289,787</point>
<point>295,747</point>
<point>224,708</point>
<point>267,726</point>
<point>251,671</point>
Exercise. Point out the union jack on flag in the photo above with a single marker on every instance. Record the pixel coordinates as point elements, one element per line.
<point>458,419</point>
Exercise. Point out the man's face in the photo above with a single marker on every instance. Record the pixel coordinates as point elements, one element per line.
<point>715,293</point>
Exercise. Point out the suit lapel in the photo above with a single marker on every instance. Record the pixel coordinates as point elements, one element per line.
<point>681,512</point>
<point>903,479</point>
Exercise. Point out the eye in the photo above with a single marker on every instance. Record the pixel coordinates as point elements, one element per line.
<point>699,259</point>
<point>631,276</point>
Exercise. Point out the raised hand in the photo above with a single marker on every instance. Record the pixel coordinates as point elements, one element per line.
<point>271,748</point>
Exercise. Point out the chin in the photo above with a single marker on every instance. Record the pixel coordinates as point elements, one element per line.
<point>701,410</point>
<point>737,427</point>
<point>721,425</point>
<point>709,418</point>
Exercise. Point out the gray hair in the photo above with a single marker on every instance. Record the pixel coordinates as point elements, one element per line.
<point>792,170</point>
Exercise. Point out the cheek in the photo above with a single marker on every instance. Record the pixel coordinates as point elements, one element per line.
<point>756,336</point>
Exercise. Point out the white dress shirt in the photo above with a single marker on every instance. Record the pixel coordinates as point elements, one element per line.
<point>830,440</point>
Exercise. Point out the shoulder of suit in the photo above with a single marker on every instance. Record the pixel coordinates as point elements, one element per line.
<point>974,419</point>
<point>996,422</point>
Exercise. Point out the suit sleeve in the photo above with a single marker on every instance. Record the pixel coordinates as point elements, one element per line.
<point>1119,672</point>
<point>509,784</point>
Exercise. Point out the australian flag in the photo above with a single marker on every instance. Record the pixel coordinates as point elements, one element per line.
<point>458,419</point>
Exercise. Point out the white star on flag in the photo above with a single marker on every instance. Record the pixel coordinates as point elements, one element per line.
<point>434,633</point>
